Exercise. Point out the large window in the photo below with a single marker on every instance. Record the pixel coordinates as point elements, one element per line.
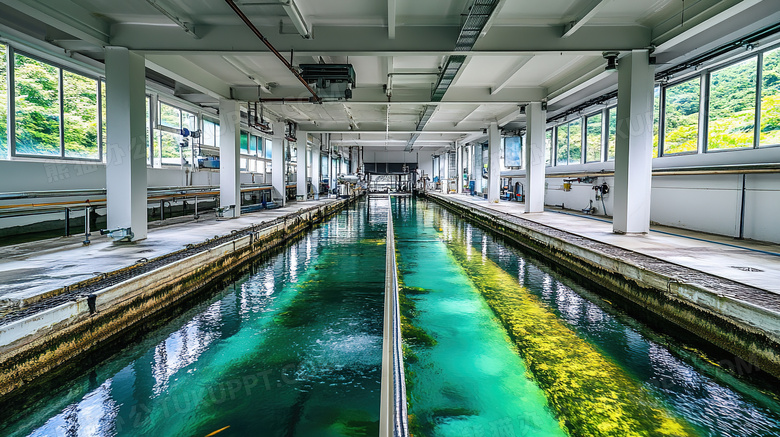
<point>656,118</point>
<point>80,110</point>
<point>37,100</point>
<point>593,138</point>
<point>575,141</point>
<point>3,102</point>
<point>770,99</point>
<point>210,135</point>
<point>244,143</point>
<point>732,106</point>
<point>681,117</point>
<point>56,111</point>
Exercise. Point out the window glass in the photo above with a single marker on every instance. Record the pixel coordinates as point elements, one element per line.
<point>612,139</point>
<point>268,148</point>
<point>209,133</point>
<point>562,144</point>
<point>732,108</point>
<point>575,142</point>
<point>103,120</point>
<point>681,117</point>
<point>253,145</point>
<point>170,116</point>
<point>259,146</point>
<point>148,130</point>
<point>189,120</point>
<point>80,113</point>
<point>548,147</point>
<point>169,148</point>
<point>513,151</point>
<point>36,94</point>
<point>593,138</point>
<point>243,164</point>
<point>261,170</point>
<point>770,99</point>
<point>244,142</point>
<point>656,118</point>
<point>3,103</point>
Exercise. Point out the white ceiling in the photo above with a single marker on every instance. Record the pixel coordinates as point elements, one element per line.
<point>522,55</point>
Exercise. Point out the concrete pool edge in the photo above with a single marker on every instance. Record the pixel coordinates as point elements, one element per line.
<point>742,327</point>
<point>33,347</point>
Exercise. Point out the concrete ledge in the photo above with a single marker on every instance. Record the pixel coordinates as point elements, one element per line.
<point>741,319</point>
<point>33,346</point>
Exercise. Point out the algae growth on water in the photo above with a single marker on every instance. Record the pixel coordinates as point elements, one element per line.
<point>517,349</point>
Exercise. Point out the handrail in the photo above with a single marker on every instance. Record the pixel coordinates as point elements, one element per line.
<point>393,417</point>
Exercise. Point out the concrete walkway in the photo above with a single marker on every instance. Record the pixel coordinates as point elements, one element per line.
<point>748,262</point>
<point>33,269</point>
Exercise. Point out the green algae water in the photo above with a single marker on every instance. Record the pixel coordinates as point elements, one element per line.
<point>291,349</point>
<point>513,349</point>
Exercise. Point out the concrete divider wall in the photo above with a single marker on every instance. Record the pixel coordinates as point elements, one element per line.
<point>719,311</point>
<point>39,345</point>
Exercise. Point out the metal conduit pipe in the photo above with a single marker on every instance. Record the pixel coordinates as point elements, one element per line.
<point>260,36</point>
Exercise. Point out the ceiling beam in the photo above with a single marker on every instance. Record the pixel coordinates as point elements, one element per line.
<point>391,14</point>
<point>509,117</point>
<point>373,41</point>
<point>298,20</point>
<point>492,18</point>
<point>254,77</point>
<point>473,111</point>
<point>68,17</point>
<point>583,17</point>
<point>510,74</point>
<point>185,23</point>
<point>189,73</point>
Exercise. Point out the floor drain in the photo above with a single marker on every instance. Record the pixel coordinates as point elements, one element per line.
<point>747,269</point>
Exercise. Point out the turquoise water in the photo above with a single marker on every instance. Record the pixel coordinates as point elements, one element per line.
<point>291,349</point>
<point>472,382</point>
<point>474,361</point>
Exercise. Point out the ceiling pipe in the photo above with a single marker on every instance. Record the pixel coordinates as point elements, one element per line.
<point>260,36</point>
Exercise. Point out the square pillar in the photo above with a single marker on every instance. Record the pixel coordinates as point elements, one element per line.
<point>278,174</point>
<point>229,157</point>
<point>126,179</point>
<point>316,163</point>
<point>494,163</point>
<point>634,144</point>
<point>300,146</point>
<point>534,157</point>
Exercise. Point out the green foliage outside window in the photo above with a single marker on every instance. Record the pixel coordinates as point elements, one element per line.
<point>770,99</point>
<point>656,115</point>
<point>612,138</point>
<point>3,103</point>
<point>80,110</point>
<point>562,146</point>
<point>168,143</point>
<point>575,142</point>
<point>37,102</point>
<point>593,138</point>
<point>732,106</point>
<point>681,117</point>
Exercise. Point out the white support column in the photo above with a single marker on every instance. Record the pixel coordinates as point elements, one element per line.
<point>300,145</point>
<point>634,144</point>
<point>316,163</point>
<point>494,163</point>
<point>459,169</point>
<point>126,179</point>
<point>278,175</point>
<point>534,157</point>
<point>229,157</point>
<point>445,183</point>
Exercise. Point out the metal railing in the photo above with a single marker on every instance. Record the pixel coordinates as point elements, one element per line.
<point>393,419</point>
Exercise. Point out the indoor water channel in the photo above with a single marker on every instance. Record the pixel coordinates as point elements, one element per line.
<point>496,344</point>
